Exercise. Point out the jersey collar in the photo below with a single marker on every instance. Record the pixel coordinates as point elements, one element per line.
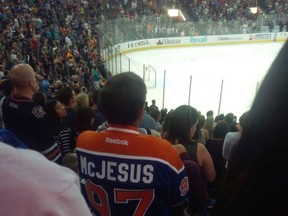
<point>123,128</point>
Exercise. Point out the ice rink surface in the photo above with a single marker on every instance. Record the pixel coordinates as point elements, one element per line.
<point>204,76</point>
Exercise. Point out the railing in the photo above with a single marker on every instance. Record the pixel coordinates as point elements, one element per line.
<point>147,27</point>
<point>115,32</point>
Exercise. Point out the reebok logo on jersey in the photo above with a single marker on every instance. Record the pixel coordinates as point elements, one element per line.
<point>116,141</point>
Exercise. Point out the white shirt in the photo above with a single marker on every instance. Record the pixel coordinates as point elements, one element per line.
<point>31,185</point>
<point>230,140</point>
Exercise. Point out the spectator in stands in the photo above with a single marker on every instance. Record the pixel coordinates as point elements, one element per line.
<point>99,117</point>
<point>62,134</point>
<point>85,120</point>
<point>82,100</point>
<point>214,146</point>
<point>232,138</point>
<point>25,117</point>
<point>153,105</point>
<point>201,134</point>
<point>166,123</point>
<point>120,147</point>
<point>181,130</point>
<point>156,115</point>
<point>198,197</point>
<point>163,113</point>
<point>44,188</point>
<point>45,85</point>
<point>229,118</point>
<point>258,164</point>
<point>39,97</point>
<point>66,96</point>
<point>147,122</point>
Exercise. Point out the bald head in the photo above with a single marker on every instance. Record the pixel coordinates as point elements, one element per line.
<point>21,75</point>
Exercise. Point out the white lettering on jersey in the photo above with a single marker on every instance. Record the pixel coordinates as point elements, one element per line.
<point>116,141</point>
<point>122,172</point>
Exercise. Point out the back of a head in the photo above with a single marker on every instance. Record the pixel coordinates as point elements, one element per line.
<point>210,113</point>
<point>122,98</point>
<point>166,123</point>
<point>84,119</point>
<point>94,96</point>
<point>220,130</point>
<point>243,120</point>
<point>201,121</point>
<point>82,100</point>
<point>182,119</point>
<point>49,108</point>
<point>20,75</point>
<point>155,113</point>
<point>65,94</point>
<point>229,117</point>
<point>39,97</point>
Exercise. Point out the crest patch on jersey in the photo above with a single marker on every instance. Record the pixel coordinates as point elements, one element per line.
<point>184,186</point>
<point>38,112</point>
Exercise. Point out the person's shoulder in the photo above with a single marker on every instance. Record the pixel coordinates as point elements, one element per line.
<point>38,170</point>
<point>159,148</point>
<point>232,136</point>
<point>38,182</point>
<point>86,137</point>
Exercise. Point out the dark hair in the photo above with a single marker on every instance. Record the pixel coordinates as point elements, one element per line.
<point>243,119</point>
<point>39,97</point>
<point>49,108</point>
<point>6,86</point>
<point>84,117</point>
<point>183,118</point>
<point>210,112</point>
<point>166,121</point>
<point>155,113</point>
<point>65,94</point>
<point>94,96</point>
<point>221,129</point>
<point>122,98</point>
<point>229,117</point>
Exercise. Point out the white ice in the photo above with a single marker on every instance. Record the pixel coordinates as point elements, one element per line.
<point>240,68</point>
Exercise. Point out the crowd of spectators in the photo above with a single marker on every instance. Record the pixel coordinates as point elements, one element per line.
<point>56,38</point>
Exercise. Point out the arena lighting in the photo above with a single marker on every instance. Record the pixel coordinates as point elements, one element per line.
<point>254,10</point>
<point>176,14</point>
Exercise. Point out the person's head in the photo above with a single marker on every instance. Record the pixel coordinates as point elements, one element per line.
<point>219,117</point>
<point>153,101</point>
<point>82,100</point>
<point>201,121</point>
<point>183,125</point>
<point>22,77</point>
<point>229,118</point>
<point>46,76</point>
<point>210,113</point>
<point>85,119</point>
<point>122,98</point>
<point>39,97</point>
<point>166,123</point>
<point>243,120</point>
<point>6,86</point>
<point>220,130</point>
<point>55,109</point>
<point>66,96</point>
<point>155,113</point>
<point>94,98</point>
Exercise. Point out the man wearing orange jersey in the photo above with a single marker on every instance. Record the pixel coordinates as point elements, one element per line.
<point>123,172</point>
